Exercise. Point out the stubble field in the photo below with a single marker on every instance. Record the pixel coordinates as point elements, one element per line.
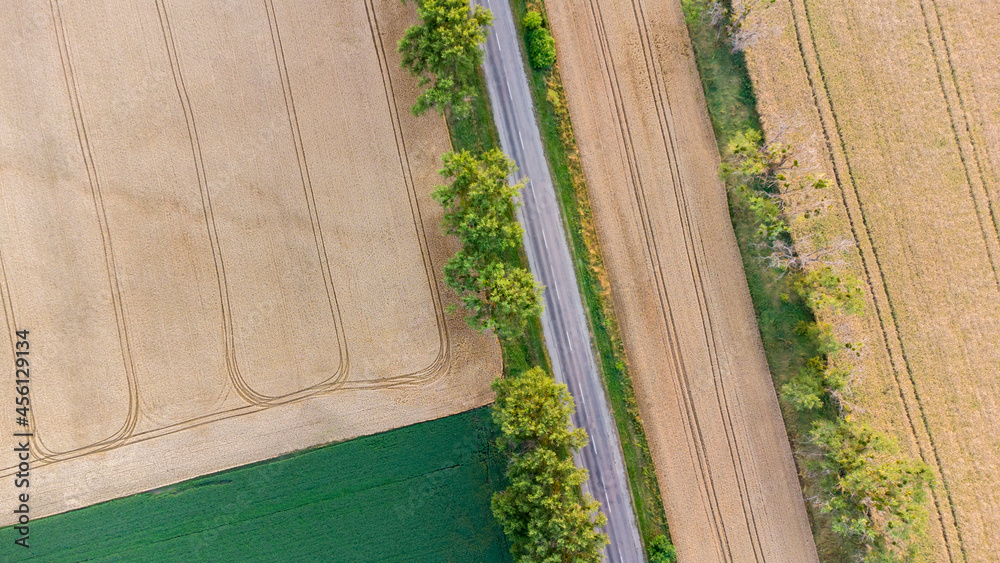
<point>899,104</point>
<point>701,380</point>
<point>217,229</point>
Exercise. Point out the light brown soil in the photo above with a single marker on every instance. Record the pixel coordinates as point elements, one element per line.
<point>704,391</point>
<point>216,224</point>
<point>899,104</point>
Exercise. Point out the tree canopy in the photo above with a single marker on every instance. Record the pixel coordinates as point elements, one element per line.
<point>444,52</point>
<point>543,512</point>
<point>879,497</point>
<point>540,45</point>
<point>479,209</point>
<point>479,202</point>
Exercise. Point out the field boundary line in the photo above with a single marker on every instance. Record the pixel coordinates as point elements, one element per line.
<point>877,290</point>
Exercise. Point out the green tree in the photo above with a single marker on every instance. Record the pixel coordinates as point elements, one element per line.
<point>543,512</point>
<point>539,42</point>
<point>497,297</point>
<point>479,202</point>
<point>479,209</point>
<point>661,550</point>
<point>444,52</point>
<point>878,496</point>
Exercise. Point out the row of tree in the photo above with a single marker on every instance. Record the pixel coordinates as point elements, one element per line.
<point>479,209</point>
<point>874,495</point>
<point>542,511</point>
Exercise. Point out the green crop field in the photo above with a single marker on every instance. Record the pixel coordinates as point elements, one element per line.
<point>419,493</point>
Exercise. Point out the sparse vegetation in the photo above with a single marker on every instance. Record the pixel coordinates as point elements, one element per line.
<point>872,495</point>
<point>864,490</point>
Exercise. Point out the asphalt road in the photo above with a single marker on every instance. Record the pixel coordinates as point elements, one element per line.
<point>567,336</point>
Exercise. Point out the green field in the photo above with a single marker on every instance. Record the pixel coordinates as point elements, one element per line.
<point>419,493</point>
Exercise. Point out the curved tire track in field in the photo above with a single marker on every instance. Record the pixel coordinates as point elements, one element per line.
<point>256,402</point>
<point>128,426</point>
<point>440,363</point>
<point>879,291</point>
<point>243,389</point>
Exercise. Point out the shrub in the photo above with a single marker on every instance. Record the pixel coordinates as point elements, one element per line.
<point>661,550</point>
<point>532,20</point>
<point>541,46</point>
<point>873,494</point>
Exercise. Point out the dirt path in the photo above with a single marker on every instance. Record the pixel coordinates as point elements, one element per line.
<point>704,391</point>
<point>217,227</point>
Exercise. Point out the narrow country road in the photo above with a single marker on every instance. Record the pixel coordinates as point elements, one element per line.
<point>567,336</point>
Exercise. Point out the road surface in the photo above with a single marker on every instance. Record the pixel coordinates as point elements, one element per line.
<point>567,336</point>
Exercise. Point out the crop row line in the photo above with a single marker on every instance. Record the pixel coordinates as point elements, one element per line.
<point>874,264</point>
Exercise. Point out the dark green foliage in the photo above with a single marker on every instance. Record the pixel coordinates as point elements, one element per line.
<point>662,551</point>
<point>444,52</point>
<point>540,45</point>
<point>479,210</point>
<point>542,512</point>
<point>874,495</point>
<point>419,493</point>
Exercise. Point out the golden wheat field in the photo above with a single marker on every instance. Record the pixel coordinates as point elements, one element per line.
<point>702,384</point>
<point>898,102</point>
<point>217,229</point>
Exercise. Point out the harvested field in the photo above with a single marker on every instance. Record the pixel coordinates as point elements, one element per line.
<point>702,383</point>
<point>218,230</point>
<point>899,104</point>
